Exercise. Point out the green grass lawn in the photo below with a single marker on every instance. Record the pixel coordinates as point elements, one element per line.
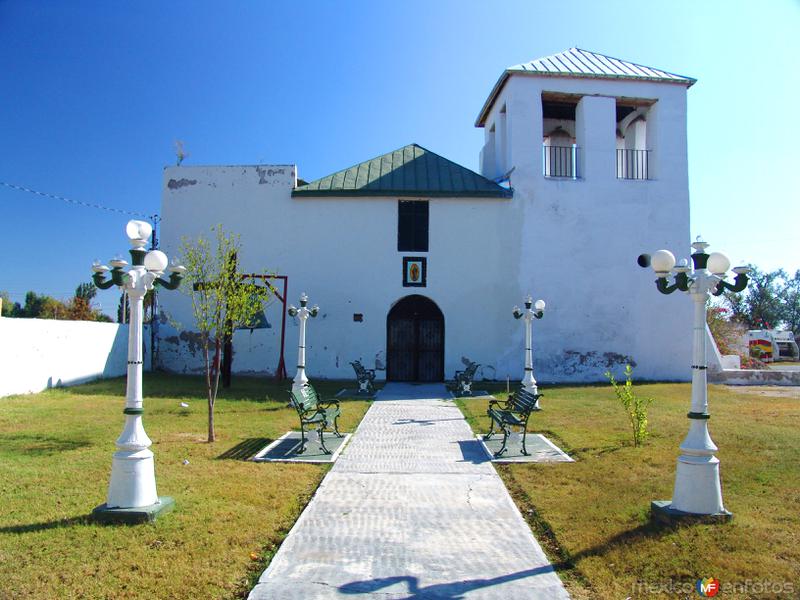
<point>230,515</point>
<point>591,516</point>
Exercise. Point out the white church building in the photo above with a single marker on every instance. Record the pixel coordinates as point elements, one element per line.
<point>416,262</point>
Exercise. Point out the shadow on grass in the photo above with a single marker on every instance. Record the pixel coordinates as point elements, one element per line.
<point>245,450</point>
<point>46,525</point>
<point>562,559</point>
<point>193,387</point>
<point>627,539</point>
<point>31,444</point>
<point>164,385</point>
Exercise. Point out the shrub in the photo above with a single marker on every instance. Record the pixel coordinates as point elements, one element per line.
<point>635,406</point>
<point>722,329</point>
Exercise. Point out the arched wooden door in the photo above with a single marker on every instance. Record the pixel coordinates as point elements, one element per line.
<point>415,340</point>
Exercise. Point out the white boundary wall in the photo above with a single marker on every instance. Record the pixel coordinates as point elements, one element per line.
<point>721,369</point>
<point>36,354</point>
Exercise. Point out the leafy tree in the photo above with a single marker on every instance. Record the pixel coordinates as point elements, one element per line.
<point>10,309</point>
<point>221,301</point>
<point>79,309</point>
<point>721,328</point>
<point>43,307</point>
<point>760,305</point>
<point>34,305</point>
<point>790,298</point>
<point>86,291</point>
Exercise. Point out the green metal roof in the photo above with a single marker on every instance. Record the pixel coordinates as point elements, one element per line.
<point>408,171</point>
<point>576,62</point>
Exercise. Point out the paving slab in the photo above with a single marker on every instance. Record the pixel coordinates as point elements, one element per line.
<point>413,508</point>
<point>540,449</point>
<point>285,448</point>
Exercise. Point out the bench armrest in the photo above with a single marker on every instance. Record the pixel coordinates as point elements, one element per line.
<point>328,403</point>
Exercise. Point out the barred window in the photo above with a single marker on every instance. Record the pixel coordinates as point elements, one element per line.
<point>412,226</point>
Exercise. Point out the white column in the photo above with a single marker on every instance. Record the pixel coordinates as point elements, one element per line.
<point>528,381</point>
<point>133,480</point>
<point>300,378</point>
<point>531,312</point>
<point>595,124</point>
<point>697,483</point>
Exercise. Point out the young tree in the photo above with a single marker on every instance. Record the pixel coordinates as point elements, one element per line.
<point>221,301</point>
<point>635,406</point>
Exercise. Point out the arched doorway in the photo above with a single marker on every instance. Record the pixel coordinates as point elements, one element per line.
<point>415,340</point>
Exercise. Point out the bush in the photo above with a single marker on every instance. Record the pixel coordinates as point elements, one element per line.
<point>634,405</point>
<point>722,329</point>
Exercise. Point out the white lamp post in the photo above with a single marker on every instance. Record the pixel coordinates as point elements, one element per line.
<point>302,313</point>
<point>532,311</point>
<point>132,490</point>
<point>697,484</point>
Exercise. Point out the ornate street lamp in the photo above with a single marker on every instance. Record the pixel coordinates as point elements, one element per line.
<point>132,490</point>
<point>697,485</point>
<point>302,313</point>
<point>532,311</point>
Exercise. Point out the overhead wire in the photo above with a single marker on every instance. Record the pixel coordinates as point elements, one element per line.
<point>122,211</point>
<point>154,217</point>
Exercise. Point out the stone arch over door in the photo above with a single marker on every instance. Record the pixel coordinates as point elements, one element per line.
<point>415,340</point>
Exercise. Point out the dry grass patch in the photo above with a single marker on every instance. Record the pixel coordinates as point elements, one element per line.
<point>55,461</point>
<point>592,515</point>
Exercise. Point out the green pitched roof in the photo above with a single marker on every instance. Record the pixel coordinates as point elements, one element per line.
<point>408,171</point>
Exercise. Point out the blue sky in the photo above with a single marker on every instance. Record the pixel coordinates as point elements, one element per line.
<point>94,95</point>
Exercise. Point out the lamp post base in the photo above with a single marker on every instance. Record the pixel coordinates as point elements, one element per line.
<point>697,486</point>
<point>131,516</point>
<point>662,513</point>
<point>133,479</point>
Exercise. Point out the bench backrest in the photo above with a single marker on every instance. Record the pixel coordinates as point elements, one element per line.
<point>522,401</point>
<point>304,400</point>
<point>359,369</point>
<point>470,370</point>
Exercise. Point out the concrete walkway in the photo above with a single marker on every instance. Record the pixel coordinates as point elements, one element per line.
<point>412,509</point>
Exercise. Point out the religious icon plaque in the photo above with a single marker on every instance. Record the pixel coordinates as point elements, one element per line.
<point>415,271</point>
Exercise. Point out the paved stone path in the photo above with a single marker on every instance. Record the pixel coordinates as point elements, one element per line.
<point>412,509</point>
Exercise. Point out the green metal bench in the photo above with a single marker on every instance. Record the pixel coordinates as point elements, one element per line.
<point>462,381</point>
<point>513,412</point>
<point>364,377</point>
<point>313,411</point>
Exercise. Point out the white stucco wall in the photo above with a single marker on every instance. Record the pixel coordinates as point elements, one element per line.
<point>572,243</point>
<point>343,253</point>
<point>36,354</point>
<point>578,239</point>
